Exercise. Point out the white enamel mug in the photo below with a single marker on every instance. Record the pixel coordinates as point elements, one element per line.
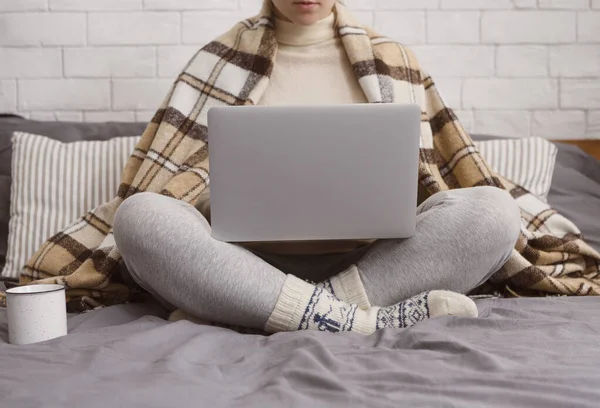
<point>36,313</point>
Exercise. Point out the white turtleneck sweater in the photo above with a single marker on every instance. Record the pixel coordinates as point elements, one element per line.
<point>311,67</point>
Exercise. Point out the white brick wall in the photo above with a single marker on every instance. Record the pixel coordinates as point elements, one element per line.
<point>513,67</point>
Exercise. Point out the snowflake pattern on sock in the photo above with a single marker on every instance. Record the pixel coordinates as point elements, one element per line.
<point>405,314</point>
<point>325,312</point>
<point>326,284</point>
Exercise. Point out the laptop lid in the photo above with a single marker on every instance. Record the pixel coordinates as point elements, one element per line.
<point>293,173</point>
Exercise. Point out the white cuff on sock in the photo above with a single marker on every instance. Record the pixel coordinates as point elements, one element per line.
<point>290,306</point>
<point>349,287</point>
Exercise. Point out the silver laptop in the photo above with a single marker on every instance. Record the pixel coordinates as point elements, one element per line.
<point>296,173</point>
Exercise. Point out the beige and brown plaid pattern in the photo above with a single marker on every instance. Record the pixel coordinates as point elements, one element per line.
<point>172,158</point>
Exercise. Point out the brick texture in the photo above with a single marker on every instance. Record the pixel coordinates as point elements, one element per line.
<point>508,67</point>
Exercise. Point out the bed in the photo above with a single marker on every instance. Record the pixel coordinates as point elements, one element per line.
<point>520,352</point>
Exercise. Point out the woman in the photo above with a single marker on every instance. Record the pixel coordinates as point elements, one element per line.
<point>463,236</point>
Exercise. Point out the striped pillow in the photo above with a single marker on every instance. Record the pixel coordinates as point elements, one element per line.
<point>54,183</point>
<point>528,162</point>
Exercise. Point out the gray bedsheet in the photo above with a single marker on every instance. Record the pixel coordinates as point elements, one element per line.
<point>521,352</point>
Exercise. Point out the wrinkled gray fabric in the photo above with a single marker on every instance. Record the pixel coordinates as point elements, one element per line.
<point>575,191</point>
<point>521,352</point>
<point>576,159</point>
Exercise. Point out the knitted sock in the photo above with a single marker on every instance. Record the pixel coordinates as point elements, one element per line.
<point>347,286</point>
<point>302,306</point>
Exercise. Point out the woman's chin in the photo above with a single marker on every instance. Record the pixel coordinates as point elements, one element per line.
<point>306,19</point>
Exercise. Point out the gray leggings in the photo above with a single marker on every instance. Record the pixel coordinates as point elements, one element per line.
<point>463,237</point>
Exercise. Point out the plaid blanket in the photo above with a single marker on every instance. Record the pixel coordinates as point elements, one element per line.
<point>172,159</point>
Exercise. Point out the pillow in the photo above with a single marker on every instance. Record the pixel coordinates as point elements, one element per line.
<point>63,131</point>
<point>4,216</point>
<point>53,184</point>
<point>575,191</point>
<point>528,162</point>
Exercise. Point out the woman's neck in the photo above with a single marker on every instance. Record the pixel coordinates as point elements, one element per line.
<point>289,33</point>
